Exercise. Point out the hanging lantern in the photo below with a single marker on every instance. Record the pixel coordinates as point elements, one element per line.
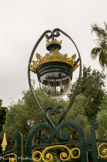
<point>54,70</point>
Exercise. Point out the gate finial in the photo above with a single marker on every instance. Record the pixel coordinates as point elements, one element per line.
<point>4,142</point>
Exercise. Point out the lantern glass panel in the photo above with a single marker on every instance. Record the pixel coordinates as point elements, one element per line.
<point>55,84</point>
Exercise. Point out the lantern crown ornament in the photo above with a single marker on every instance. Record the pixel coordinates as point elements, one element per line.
<point>54,70</point>
<point>55,57</point>
<point>53,43</point>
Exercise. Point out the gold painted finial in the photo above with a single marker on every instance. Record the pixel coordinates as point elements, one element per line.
<point>4,142</point>
<point>48,42</point>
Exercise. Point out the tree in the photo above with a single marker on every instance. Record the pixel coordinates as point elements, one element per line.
<point>102,119</point>
<point>103,105</point>
<point>92,87</point>
<point>77,113</point>
<point>25,114</point>
<point>101,48</point>
<point>2,119</point>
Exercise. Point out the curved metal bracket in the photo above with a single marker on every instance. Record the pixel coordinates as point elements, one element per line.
<point>51,34</point>
<point>30,59</point>
<point>78,81</point>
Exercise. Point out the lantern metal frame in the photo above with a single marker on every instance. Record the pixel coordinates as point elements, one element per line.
<point>50,35</point>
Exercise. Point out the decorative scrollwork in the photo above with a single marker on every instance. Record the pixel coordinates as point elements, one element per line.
<point>56,33</point>
<point>48,35</point>
<point>11,159</point>
<point>102,150</point>
<point>48,132</point>
<point>52,111</point>
<point>52,34</point>
<point>77,150</point>
<point>64,156</point>
<point>35,154</point>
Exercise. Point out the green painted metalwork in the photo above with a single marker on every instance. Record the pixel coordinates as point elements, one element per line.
<point>44,138</point>
<point>67,136</point>
<point>18,136</point>
<point>50,35</point>
<point>18,150</point>
<point>51,137</point>
<point>93,140</point>
<point>55,134</point>
<point>80,69</point>
<point>52,111</point>
<point>63,138</point>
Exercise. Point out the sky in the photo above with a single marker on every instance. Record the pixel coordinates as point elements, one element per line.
<point>22,22</point>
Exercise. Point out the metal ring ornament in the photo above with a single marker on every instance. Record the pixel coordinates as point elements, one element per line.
<point>52,34</point>
<point>72,153</point>
<point>34,156</point>
<point>55,33</point>
<point>102,150</point>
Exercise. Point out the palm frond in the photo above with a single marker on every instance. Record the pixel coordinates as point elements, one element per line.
<point>103,44</point>
<point>105,26</point>
<point>101,33</point>
<point>103,58</point>
<point>95,52</point>
<point>101,49</point>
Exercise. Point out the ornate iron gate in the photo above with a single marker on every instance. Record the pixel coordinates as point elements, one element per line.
<point>57,143</point>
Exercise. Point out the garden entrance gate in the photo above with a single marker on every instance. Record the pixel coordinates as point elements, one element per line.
<point>46,143</point>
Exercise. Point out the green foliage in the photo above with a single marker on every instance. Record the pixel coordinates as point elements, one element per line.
<point>103,105</point>
<point>102,121</point>
<point>2,118</point>
<point>101,48</point>
<point>25,114</point>
<point>91,87</point>
<point>102,118</point>
<point>77,113</point>
<point>77,107</point>
<point>2,115</point>
<point>90,102</point>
